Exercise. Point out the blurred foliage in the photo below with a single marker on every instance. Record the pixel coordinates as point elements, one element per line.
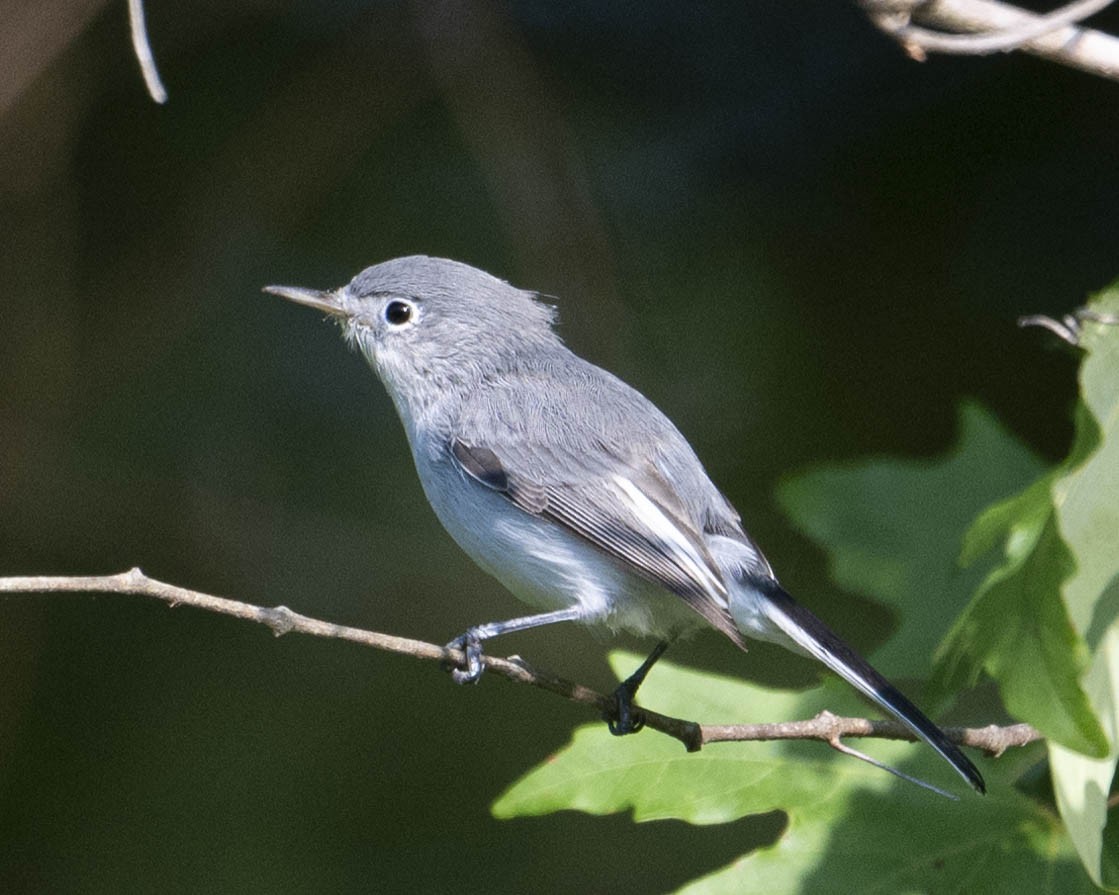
<point>801,245</point>
<point>892,528</point>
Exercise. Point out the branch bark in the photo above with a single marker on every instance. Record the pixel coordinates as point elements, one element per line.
<point>826,727</point>
<point>979,27</point>
<point>143,50</point>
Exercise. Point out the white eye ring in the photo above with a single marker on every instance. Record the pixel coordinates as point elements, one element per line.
<point>399,312</point>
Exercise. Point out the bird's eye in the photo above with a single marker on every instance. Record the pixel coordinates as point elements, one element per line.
<point>398,312</point>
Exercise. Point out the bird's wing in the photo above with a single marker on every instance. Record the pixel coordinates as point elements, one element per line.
<point>635,517</point>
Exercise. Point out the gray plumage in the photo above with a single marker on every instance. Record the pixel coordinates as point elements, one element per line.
<point>565,483</point>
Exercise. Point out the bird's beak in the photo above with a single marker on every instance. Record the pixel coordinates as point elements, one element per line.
<point>328,302</point>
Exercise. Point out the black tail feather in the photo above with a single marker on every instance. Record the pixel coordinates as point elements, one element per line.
<point>819,641</point>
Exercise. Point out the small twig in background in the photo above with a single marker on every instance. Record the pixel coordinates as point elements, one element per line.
<point>143,51</point>
<point>979,27</point>
<point>1070,327</point>
<point>826,727</point>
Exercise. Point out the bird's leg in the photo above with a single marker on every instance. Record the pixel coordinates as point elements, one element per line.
<point>470,641</point>
<point>623,719</point>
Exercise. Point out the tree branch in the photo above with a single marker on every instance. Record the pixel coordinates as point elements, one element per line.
<point>825,727</point>
<point>979,27</point>
<point>143,50</point>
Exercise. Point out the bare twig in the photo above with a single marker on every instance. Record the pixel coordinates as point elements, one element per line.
<point>978,27</point>
<point>828,727</point>
<point>1070,327</point>
<point>143,51</point>
<point>1011,36</point>
<point>825,727</point>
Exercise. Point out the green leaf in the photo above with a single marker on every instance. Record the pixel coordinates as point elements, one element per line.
<point>1042,603</point>
<point>1044,623</point>
<point>1041,612</point>
<point>991,527</point>
<point>1082,784</point>
<point>892,528</point>
<point>851,827</point>
<point>1017,629</point>
<point>1086,500</point>
<point>1086,496</point>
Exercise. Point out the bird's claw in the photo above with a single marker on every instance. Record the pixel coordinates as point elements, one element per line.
<point>471,647</point>
<point>624,718</point>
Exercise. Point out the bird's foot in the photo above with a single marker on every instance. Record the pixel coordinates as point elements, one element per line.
<point>624,718</point>
<point>470,644</point>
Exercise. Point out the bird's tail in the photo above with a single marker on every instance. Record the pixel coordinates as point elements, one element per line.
<point>817,639</point>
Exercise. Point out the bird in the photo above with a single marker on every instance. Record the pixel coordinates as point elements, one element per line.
<point>569,486</point>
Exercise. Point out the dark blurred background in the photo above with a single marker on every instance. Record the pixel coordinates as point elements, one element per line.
<point>803,246</point>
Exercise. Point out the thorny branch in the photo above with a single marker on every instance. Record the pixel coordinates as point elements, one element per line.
<point>825,727</point>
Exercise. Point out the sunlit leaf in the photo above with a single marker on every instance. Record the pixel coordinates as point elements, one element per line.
<point>850,827</point>
<point>1086,498</point>
<point>892,528</point>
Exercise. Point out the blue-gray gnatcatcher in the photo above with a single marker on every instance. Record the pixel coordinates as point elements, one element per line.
<point>567,485</point>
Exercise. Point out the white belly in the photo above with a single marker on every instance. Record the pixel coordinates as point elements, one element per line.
<point>547,566</point>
